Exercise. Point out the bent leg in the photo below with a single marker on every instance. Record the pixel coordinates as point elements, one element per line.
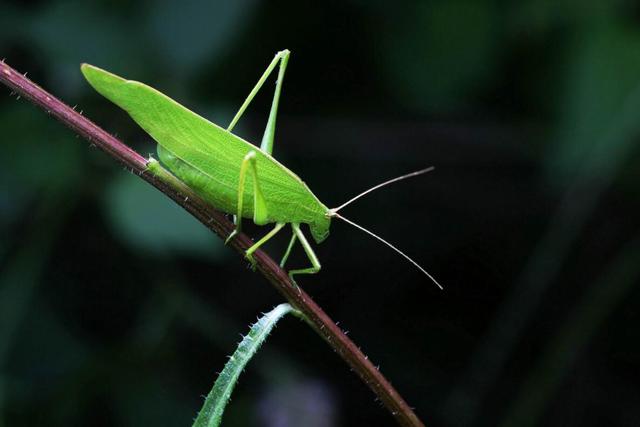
<point>249,253</point>
<point>288,251</point>
<point>315,264</point>
<point>267,140</point>
<point>259,203</point>
<point>270,131</point>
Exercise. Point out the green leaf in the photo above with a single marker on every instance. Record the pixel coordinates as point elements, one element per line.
<point>211,413</point>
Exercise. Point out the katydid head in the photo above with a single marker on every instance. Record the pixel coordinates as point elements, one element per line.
<point>331,213</point>
<point>320,228</point>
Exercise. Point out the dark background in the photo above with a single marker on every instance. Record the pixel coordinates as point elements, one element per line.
<point>117,308</point>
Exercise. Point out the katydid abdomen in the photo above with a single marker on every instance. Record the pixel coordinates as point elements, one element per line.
<point>287,200</point>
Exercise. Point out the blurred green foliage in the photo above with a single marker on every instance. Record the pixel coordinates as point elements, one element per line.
<point>132,212</point>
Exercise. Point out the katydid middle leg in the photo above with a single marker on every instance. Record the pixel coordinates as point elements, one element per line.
<point>249,253</point>
<point>281,57</point>
<point>259,203</point>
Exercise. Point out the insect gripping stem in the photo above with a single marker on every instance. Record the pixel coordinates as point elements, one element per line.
<point>334,213</point>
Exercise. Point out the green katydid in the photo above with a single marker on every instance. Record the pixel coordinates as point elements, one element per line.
<point>233,175</point>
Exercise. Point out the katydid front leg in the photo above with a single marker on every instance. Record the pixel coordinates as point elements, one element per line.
<point>315,264</point>
<point>288,251</point>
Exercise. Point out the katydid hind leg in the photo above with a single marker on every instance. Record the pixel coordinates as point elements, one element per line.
<point>249,253</point>
<point>315,264</point>
<point>282,58</point>
<point>270,130</point>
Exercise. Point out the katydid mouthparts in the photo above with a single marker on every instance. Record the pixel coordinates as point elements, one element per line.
<point>232,174</point>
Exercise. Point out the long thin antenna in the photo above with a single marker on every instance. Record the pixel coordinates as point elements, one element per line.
<point>333,213</point>
<point>391,181</point>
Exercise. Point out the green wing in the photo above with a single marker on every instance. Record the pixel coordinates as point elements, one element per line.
<point>206,156</point>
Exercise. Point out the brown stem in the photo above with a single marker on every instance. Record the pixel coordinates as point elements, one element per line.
<point>219,224</point>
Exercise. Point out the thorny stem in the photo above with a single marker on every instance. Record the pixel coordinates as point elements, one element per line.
<point>219,224</point>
